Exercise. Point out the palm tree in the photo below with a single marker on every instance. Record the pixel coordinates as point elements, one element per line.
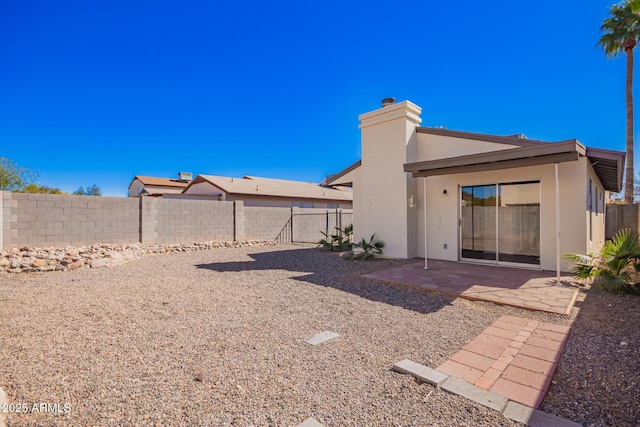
<point>620,34</point>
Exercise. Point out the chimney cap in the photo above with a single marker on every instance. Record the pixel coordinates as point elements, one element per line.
<point>388,101</point>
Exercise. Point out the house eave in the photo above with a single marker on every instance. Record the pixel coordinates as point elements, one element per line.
<point>502,159</point>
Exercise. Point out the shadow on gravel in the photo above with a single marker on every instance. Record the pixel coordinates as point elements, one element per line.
<point>598,377</point>
<point>326,269</point>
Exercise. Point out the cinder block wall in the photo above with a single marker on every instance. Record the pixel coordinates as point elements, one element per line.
<point>181,221</point>
<point>264,222</point>
<point>619,216</point>
<point>45,220</point>
<point>61,220</point>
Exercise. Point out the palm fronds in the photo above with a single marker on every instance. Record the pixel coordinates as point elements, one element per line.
<point>617,266</point>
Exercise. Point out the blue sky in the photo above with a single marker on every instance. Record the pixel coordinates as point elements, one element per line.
<point>97,92</point>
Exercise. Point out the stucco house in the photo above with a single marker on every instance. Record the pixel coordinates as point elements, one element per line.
<point>156,186</point>
<point>461,196</point>
<point>256,191</point>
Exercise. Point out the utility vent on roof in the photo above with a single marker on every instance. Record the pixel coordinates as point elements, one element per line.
<point>518,136</point>
<point>185,176</point>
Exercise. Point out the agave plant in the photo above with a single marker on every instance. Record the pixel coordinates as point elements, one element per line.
<point>338,241</point>
<point>368,249</point>
<point>616,267</point>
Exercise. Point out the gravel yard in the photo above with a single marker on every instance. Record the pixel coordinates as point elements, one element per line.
<point>124,345</point>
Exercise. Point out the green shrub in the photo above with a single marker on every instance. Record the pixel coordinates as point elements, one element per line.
<point>616,267</point>
<point>367,249</point>
<point>339,241</point>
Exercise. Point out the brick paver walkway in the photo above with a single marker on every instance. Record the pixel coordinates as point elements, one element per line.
<point>532,289</point>
<point>514,357</point>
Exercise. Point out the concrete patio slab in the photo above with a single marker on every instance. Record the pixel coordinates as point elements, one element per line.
<point>523,288</point>
<point>521,373</point>
<point>322,337</point>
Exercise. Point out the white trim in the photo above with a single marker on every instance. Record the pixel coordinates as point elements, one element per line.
<point>426,243</point>
<point>557,226</point>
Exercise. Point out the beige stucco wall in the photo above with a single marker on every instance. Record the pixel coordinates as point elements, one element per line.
<point>382,191</point>
<point>388,142</point>
<point>443,210</point>
<point>433,147</point>
<point>596,238</point>
<point>135,186</point>
<point>205,188</point>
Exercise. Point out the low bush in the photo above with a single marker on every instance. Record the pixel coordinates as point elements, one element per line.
<point>367,249</point>
<point>338,241</point>
<point>615,268</point>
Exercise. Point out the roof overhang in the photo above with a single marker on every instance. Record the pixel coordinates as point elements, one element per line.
<point>508,140</point>
<point>565,151</point>
<point>608,166</point>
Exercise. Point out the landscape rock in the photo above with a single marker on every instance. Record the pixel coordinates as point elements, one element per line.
<point>76,264</point>
<point>39,263</point>
<point>33,259</point>
<point>97,263</point>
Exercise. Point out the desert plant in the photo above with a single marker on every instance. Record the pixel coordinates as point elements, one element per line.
<point>615,268</point>
<point>620,34</point>
<point>338,241</point>
<point>368,249</point>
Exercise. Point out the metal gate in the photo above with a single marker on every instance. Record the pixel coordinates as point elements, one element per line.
<point>308,227</point>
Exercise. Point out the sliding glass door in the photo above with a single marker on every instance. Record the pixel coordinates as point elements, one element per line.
<point>501,222</point>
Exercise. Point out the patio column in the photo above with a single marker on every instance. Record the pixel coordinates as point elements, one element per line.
<point>426,244</point>
<point>557,226</point>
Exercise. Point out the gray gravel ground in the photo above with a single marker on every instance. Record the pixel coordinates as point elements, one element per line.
<point>124,345</point>
<point>598,379</point>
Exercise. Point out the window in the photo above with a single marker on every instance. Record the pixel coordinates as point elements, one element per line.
<point>501,222</point>
<point>301,205</point>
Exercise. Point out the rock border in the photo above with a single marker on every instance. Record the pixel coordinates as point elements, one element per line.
<point>35,260</point>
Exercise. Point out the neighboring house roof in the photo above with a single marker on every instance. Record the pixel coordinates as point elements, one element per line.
<point>255,186</point>
<point>607,164</point>
<point>330,179</point>
<point>164,182</point>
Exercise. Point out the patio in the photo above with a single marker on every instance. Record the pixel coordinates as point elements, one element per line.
<point>523,288</point>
